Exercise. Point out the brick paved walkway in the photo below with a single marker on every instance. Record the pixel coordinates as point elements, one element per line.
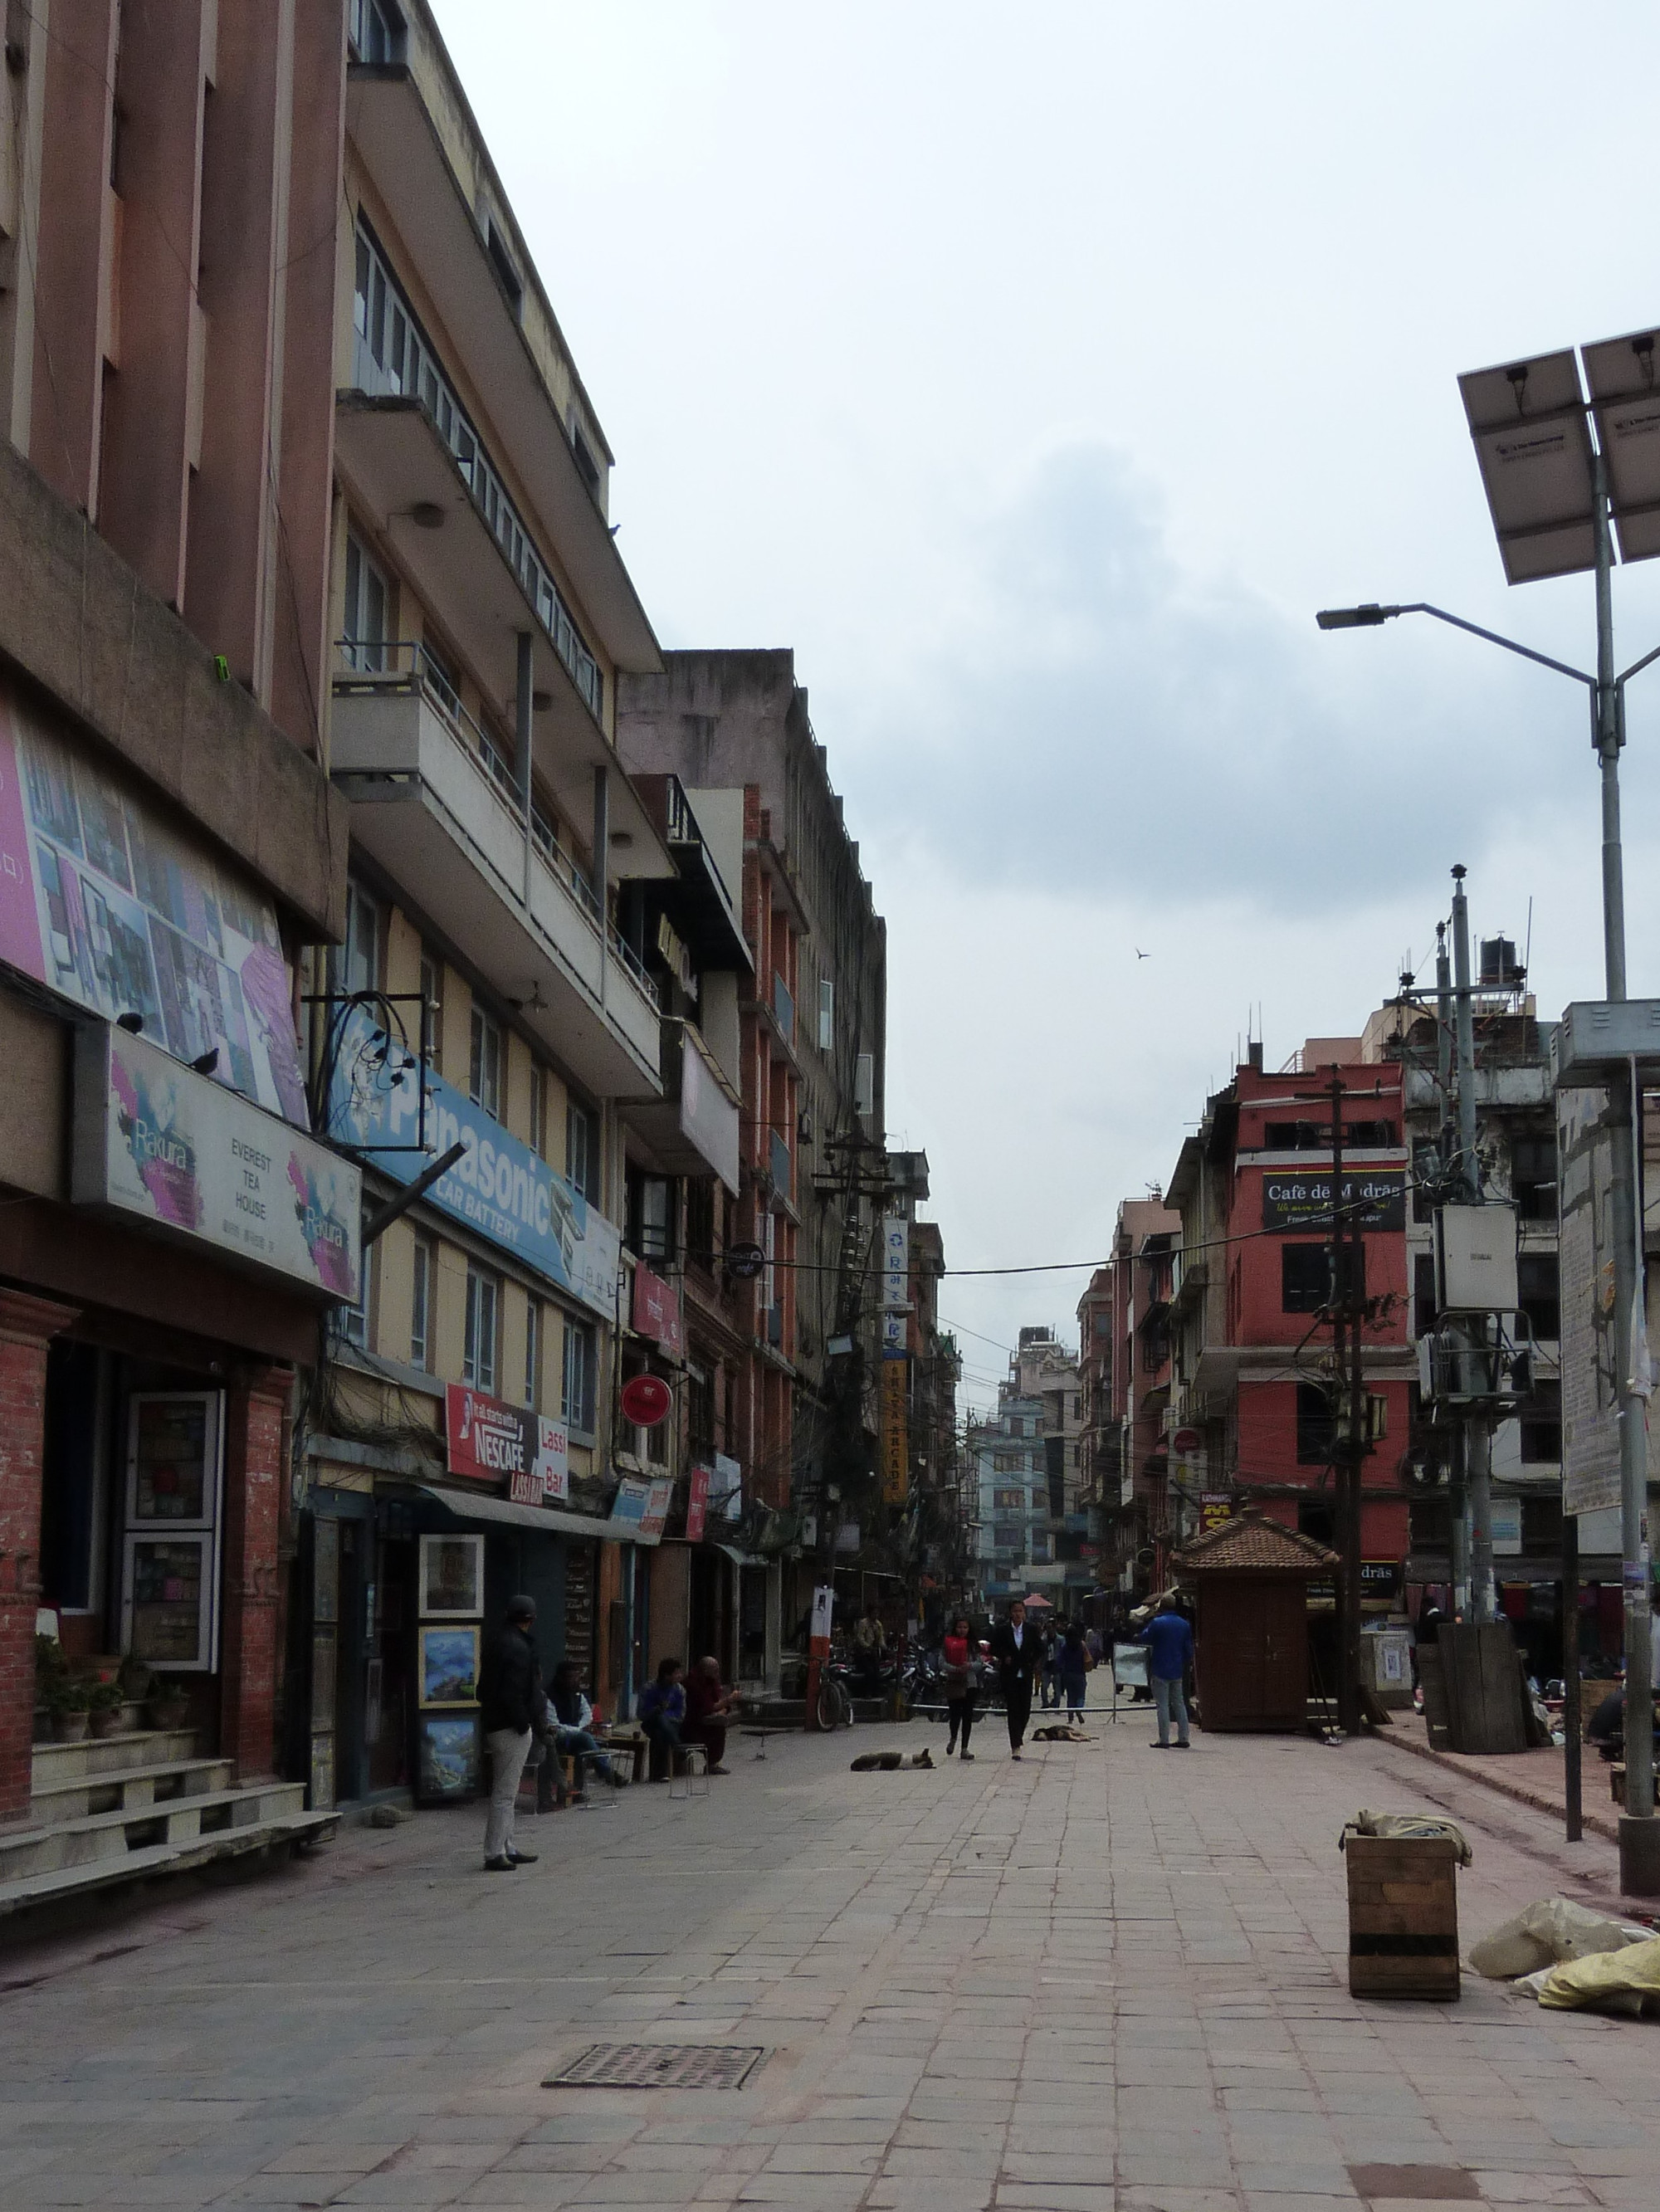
<point>1101,1981</point>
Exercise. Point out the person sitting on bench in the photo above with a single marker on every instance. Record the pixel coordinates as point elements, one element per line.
<point>662,1713</point>
<point>574,1736</point>
<point>707,1707</point>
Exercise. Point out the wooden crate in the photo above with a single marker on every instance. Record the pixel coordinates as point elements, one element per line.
<point>1403,1916</point>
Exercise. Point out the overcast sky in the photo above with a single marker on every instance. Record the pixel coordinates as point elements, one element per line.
<point>1035,372</point>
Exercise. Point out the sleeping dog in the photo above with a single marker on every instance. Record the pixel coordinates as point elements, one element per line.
<point>1057,1733</point>
<point>889,1762</point>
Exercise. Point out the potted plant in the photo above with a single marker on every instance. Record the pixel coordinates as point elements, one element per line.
<point>104,1708</point>
<point>167,1705</point>
<point>70,1700</point>
<point>135,1677</point>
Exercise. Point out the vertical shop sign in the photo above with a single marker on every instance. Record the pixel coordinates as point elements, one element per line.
<point>697,1504</point>
<point>1592,1350</point>
<point>895,1432</point>
<point>896,1255</point>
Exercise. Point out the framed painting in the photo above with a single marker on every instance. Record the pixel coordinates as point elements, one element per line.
<point>449,1758</point>
<point>448,1665</point>
<point>451,1586</point>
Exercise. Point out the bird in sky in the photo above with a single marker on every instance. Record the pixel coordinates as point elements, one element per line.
<point>1142,956</point>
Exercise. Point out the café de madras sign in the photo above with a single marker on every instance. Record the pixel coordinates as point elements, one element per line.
<point>1293,1197</point>
<point>500,1189</point>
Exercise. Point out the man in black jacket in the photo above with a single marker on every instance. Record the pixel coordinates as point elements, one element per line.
<point>1017,1648</point>
<point>510,1691</point>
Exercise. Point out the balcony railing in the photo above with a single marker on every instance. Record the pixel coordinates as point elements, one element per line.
<point>783,1008</point>
<point>393,356</point>
<point>781,1165</point>
<point>384,667</point>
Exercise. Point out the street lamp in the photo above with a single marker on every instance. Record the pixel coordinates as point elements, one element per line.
<point>1562,475</point>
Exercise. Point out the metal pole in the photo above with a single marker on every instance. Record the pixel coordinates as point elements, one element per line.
<point>1478,1436</point>
<point>1572,1745</point>
<point>1637,1875</point>
<point>1458,1533</point>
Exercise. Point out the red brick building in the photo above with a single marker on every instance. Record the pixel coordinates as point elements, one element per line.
<point>1250,1418</point>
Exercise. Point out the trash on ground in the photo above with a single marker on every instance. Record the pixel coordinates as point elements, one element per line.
<point>1627,1981</point>
<point>1547,1933</point>
<point>1407,1827</point>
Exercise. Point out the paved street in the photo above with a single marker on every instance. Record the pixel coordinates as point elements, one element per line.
<point>1100,1981</point>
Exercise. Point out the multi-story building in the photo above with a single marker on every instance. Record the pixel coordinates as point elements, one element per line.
<point>550,958</point>
<point>811,1031</point>
<point>1125,1377</point>
<point>1012,1497</point>
<point>170,1232</point>
<point>1252,1410</point>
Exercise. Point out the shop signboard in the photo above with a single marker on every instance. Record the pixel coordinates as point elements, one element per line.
<point>895,1432</point>
<point>500,1189</point>
<point>519,1453</point>
<point>657,1313</point>
<point>655,1519</point>
<point>629,1506</point>
<point>896,1261</point>
<point>1380,1579</point>
<point>1591,1346</point>
<point>697,1503</point>
<point>726,1488</point>
<point>1215,1508</point>
<point>105,903</point>
<point>1374,1197</point>
<point>156,1140</point>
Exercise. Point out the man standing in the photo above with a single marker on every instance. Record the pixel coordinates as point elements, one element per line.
<point>1169,1649</point>
<point>1016,1649</point>
<point>510,1691</point>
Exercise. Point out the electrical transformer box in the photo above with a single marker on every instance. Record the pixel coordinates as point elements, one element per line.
<point>1475,1258</point>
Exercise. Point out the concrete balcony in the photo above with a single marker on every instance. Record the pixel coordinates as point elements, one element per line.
<point>693,1126</point>
<point>436,810</point>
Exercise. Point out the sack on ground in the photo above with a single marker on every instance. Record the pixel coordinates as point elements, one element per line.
<point>1546,1933</point>
<point>1625,1981</point>
<point>1407,1827</point>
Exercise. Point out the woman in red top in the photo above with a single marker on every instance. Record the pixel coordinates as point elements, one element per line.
<point>962,1680</point>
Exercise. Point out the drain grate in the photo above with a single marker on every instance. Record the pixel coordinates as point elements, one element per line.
<point>658,2066</point>
<point>1424,2184</point>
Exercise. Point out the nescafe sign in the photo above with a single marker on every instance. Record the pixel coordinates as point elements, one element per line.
<point>487,1439</point>
<point>645,1400</point>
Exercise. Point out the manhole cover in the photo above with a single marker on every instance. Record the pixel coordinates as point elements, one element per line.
<point>658,2066</point>
<point>1426,2184</point>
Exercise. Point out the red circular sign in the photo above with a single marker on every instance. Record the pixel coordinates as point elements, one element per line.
<point>1186,1440</point>
<point>645,1400</point>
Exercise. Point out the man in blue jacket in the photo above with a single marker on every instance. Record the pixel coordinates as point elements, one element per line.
<point>1169,1649</point>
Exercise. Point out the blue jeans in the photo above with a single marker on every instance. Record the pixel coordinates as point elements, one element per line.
<point>1172,1707</point>
<point>587,1752</point>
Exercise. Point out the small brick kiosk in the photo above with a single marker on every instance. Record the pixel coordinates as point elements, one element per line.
<point>1250,1576</point>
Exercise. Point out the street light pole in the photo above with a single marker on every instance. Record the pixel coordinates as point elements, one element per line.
<point>1478,1436</point>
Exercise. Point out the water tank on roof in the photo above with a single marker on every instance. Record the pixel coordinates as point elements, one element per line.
<point>1500,968</point>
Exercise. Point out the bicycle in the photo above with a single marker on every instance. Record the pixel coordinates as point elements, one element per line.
<point>834,1706</point>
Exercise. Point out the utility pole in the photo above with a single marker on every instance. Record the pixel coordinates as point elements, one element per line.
<point>1477,1428</point>
<point>1456,1512</point>
<point>1348,1310</point>
<point>1635,1856</point>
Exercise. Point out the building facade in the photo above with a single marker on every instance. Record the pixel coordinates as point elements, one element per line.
<point>1251,1416</point>
<point>171,1235</point>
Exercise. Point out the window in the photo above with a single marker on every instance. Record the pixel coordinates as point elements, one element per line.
<point>432,992</point>
<point>1538,1292</point>
<point>1533,1177</point>
<point>423,1304</point>
<point>360,962</point>
<point>700,1413</point>
<point>1318,1517</point>
<point>1316,1136</point>
<point>582,1150</point>
<point>532,1351</point>
<point>651,1217</point>
<point>1155,1349</point>
<point>484,1065</point>
<point>1425,1172</point>
<point>1315,1426</point>
<point>538,1109</point>
<point>1305,1278</point>
<point>576,1395</point>
<point>367,630</point>
<point>484,1328</point>
<point>376,32</point>
<point>826,1013</point>
<point>355,1320</point>
<point>1423,1292</point>
<point>1541,1425</point>
<point>700,1220</point>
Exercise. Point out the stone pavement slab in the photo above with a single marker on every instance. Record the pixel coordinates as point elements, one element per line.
<point>1092,1982</point>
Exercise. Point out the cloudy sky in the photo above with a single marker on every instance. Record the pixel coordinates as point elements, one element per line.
<point>1035,372</point>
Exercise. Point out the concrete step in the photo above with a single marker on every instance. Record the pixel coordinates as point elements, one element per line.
<point>126,1788</point>
<point>98,1836</point>
<point>284,1833</point>
<point>64,1762</point>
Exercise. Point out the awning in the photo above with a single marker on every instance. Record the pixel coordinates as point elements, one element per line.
<point>545,1520</point>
